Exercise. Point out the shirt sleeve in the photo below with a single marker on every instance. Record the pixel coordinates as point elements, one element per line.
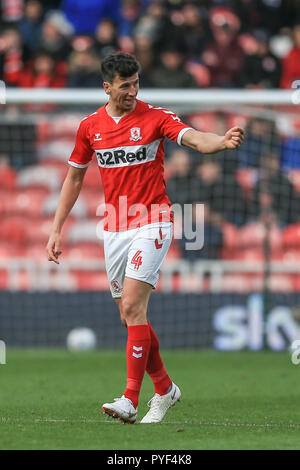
<point>82,153</point>
<point>172,126</point>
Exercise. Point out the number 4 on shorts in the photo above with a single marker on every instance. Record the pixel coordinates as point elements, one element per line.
<point>137,260</point>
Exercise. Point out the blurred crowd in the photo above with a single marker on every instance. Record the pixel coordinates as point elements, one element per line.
<point>179,43</point>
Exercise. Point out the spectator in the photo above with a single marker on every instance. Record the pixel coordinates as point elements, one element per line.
<point>155,24</point>
<point>84,70</point>
<point>291,63</point>
<point>290,150</point>
<point>56,31</point>
<point>144,54</point>
<point>261,69</point>
<point>179,183</point>
<point>171,72</point>
<point>106,38</point>
<point>193,30</point>
<point>31,24</point>
<point>11,11</point>
<point>223,193</point>
<point>256,14</point>
<point>274,193</point>
<point>261,138</point>
<point>224,56</point>
<point>85,15</point>
<point>42,72</point>
<point>12,56</point>
<point>212,234</point>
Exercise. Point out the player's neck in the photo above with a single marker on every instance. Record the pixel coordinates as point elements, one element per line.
<point>115,111</point>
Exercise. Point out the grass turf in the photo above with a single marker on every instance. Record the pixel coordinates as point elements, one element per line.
<point>52,400</point>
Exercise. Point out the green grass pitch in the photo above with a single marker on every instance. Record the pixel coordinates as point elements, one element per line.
<point>51,399</point>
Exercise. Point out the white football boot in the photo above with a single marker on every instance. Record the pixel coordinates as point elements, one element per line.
<point>160,404</point>
<point>121,408</point>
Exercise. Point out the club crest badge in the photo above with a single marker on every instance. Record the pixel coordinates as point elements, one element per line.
<point>135,133</point>
<point>115,287</point>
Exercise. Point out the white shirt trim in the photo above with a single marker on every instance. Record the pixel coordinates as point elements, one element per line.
<point>181,133</point>
<point>117,119</point>
<point>78,165</point>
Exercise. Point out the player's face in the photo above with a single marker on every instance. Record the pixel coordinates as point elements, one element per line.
<point>123,92</point>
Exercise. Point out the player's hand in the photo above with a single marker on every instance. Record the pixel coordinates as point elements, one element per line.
<point>234,137</point>
<point>53,248</point>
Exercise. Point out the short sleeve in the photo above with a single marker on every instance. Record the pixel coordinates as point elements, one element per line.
<point>82,153</point>
<point>172,126</point>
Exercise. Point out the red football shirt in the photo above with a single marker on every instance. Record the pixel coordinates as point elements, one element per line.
<point>130,157</point>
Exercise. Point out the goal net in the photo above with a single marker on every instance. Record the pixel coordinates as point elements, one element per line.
<point>239,291</point>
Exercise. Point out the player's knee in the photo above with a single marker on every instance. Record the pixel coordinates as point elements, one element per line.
<point>132,311</point>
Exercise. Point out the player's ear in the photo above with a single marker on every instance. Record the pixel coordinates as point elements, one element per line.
<point>106,86</point>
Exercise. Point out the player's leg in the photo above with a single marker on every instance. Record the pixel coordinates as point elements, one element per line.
<point>116,247</point>
<point>155,366</point>
<point>145,258</point>
<point>133,310</point>
<point>166,392</point>
<point>134,306</point>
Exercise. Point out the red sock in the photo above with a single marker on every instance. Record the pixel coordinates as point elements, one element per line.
<point>155,366</point>
<point>138,347</point>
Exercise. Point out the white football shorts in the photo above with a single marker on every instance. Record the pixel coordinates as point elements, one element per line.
<point>137,253</point>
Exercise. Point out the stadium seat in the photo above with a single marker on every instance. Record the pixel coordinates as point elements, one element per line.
<point>87,250</point>
<point>292,255</point>
<point>236,119</point>
<point>253,235</point>
<point>27,202</point>
<point>295,279</point>
<point>38,231</point>
<point>13,229</point>
<point>238,282</point>
<point>60,166</point>
<point>204,121</point>
<point>249,254</point>
<point>38,176</point>
<point>8,178</point>
<point>7,250</point>
<point>83,231</point>
<point>35,252</point>
<point>56,150</point>
<point>230,235</point>
<point>253,254</point>
<point>91,280</point>
<point>291,236</point>
<point>49,206</point>
<point>282,283</point>
<point>93,199</point>
<point>4,279</point>
<point>92,179</point>
<point>64,126</point>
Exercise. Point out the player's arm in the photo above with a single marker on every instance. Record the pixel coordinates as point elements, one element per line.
<point>68,196</point>
<point>206,142</point>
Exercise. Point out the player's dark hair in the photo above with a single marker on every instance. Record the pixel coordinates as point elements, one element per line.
<point>119,63</point>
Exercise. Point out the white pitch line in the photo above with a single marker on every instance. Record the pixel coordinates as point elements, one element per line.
<point>176,423</point>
